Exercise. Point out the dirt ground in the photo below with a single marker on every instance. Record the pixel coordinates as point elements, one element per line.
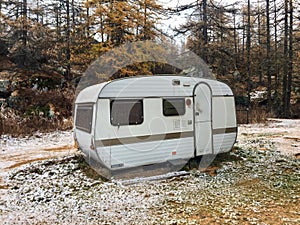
<point>283,132</point>
<point>18,152</point>
<point>266,194</point>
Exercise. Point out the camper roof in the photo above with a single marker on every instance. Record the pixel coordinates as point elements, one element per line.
<point>90,94</point>
<point>149,86</point>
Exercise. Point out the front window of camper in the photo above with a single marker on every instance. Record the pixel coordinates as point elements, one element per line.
<point>84,115</point>
<point>174,106</point>
<point>126,112</point>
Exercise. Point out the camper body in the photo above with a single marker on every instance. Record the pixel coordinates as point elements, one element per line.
<point>148,120</point>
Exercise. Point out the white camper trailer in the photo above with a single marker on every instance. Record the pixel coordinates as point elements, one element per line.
<point>141,121</point>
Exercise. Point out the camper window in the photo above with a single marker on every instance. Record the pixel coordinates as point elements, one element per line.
<point>126,112</point>
<point>84,115</point>
<point>174,106</point>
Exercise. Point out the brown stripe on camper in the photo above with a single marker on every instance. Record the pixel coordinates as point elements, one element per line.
<point>225,130</point>
<point>144,138</point>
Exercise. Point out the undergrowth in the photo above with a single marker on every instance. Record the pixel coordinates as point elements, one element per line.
<point>34,111</point>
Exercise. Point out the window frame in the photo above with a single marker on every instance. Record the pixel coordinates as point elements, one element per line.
<point>89,107</point>
<point>169,100</point>
<point>135,101</point>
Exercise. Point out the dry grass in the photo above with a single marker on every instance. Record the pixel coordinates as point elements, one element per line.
<point>255,115</point>
<point>16,125</point>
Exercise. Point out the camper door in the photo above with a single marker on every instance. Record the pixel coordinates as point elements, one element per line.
<point>203,119</point>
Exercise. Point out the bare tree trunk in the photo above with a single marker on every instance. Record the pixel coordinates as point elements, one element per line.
<point>244,34</point>
<point>290,64</point>
<point>88,21</point>
<point>260,66</point>
<point>1,2</point>
<point>37,13</point>
<point>1,27</point>
<point>235,39</point>
<point>68,40</point>
<point>145,22</point>
<point>73,12</point>
<point>248,45</point>
<point>235,36</point>
<point>205,37</point>
<point>276,88</point>
<point>24,23</point>
<point>57,21</point>
<point>102,28</point>
<point>285,65</point>
<point>57,10</point>
<point>269,56</point>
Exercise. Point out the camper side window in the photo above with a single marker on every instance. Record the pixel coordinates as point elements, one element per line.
<point>84,116</point>
<point>174,106</point>
<point>126,112</point>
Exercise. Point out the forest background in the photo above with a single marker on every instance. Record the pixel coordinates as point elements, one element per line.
<point>46,46</point>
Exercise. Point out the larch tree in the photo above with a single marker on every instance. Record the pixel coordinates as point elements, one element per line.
<point>268,56</point>
<point>248,50</point>
<point>290,60</point>
<point>148,13</point>
<point>286,60</point>
<point>212,35</point>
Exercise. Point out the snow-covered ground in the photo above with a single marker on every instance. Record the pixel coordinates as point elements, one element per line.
<point>15,152</point>
<point>46,181</point>
<point>284,133</point>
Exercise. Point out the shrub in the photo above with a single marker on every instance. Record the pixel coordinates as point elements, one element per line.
<point>38,111</point>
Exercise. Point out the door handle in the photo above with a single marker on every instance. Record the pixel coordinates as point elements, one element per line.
<point>197,113</point>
